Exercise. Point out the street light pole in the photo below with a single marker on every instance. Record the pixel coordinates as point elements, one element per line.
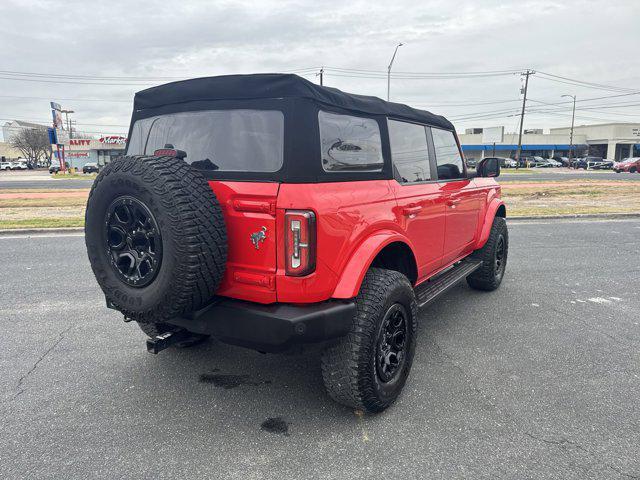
<point>389,70</point>
<point>573,117</point>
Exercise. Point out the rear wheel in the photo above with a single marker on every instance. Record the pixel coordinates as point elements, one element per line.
<point>632,170</point>
<point>368,368</point>
<point>494,258</point>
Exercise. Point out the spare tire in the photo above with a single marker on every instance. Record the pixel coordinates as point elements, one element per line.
<point>155,237</point>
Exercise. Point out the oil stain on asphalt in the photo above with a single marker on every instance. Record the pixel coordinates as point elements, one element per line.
<point>229,381</point>
<point>275,425</point>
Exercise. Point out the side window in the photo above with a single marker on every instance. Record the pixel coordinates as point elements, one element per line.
<point>448,156</point>
<point>409,151</point>
<point>349,144</point>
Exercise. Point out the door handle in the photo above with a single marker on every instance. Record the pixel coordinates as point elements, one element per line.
<point>411,211</point>
<point>453,202</point>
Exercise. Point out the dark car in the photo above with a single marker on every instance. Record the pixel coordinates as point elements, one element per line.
<point>55,166</point>
<point>90,168</point>
<point>563,160</point>
<point>595,163</point>
<point>471,162</point>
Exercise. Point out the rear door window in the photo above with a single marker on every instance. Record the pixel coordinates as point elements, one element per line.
<point>225,140</point>
<point>448,156</point>
<point>409,151</point>
<point>349,144</point>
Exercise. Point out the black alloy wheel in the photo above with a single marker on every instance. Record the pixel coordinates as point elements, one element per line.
<point>133,241</point>
<point>392,343</point>
<point>499,262</point>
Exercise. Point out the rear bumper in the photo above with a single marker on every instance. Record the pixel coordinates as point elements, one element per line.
<point>270,328</point>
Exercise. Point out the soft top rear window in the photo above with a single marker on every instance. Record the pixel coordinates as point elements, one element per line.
<point>224,140</point>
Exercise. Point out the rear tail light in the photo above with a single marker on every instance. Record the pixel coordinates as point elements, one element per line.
<point>300,242</point>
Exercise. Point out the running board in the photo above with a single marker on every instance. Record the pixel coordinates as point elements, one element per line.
<point>427,291</point>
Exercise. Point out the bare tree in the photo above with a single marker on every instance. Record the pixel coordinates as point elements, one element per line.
<point>33,143</point>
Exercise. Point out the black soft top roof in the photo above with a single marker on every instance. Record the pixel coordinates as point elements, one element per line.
<point>276,85</point>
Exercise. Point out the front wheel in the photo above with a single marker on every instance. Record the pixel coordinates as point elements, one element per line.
<point>494,258</point>
<point>368,368</point>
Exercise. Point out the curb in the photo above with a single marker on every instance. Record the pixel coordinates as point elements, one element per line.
<point>33,231</point>
<point>578,216</point>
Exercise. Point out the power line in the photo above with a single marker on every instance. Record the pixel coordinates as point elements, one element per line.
<point>68,99</point>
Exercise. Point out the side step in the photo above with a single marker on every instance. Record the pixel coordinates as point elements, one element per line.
<point>432,288</point>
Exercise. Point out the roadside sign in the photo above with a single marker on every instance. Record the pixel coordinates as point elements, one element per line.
<point>53,139</point>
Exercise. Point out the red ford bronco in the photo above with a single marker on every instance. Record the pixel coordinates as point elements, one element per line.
<point>268,212</point>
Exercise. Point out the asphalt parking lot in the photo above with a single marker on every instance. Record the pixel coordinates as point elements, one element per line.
<point>540,379</point>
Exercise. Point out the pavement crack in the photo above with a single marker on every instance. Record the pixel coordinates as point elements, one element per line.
<point>23,378</point>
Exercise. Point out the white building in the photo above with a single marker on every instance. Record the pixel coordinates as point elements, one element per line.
<point>13,127</point>
<point>613,141</point>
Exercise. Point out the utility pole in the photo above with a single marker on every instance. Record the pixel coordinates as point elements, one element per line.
<point>524,103</point>
<point>573,117</point>
<point>66,116</point>
<point>321,75</point>
<point>389,70</point>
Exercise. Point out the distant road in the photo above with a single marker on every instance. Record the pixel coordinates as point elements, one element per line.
<point>42,179</point>
<point>39,179</point>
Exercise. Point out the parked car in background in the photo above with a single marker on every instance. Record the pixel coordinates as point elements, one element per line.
<point>55,167</point>
<point>507,162</point>
<point>547,163</point>
<point>594,163</point>
<point>5,165</point>
<point>90,168</point>
<point>564,161</point>
<point>20,164</point>
<point>631,165</point>
<point>471,162</point>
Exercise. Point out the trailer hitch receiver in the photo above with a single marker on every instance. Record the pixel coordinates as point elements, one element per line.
<point>157,344</point>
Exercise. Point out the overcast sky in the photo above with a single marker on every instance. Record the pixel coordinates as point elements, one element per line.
<point>591,41</point>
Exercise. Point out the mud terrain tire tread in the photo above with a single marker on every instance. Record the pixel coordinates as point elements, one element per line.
<point>484,278</point>
<point>347,368</point>
<point>192,228</point>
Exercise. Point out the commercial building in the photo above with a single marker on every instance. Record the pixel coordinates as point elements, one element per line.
<point>8,153</point>
<point>612,141</point>
<point>101,150</point>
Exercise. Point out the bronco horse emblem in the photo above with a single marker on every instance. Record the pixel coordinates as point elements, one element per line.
<point>258,237</point>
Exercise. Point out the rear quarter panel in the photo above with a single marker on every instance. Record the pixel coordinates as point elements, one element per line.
<point>347,213</point>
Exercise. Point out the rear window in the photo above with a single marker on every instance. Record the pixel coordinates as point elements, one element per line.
<point>225,140</point>
<point>349,144</point>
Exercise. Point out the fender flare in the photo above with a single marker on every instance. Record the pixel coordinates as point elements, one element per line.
<point>353,274</point>
<point>490,214</point>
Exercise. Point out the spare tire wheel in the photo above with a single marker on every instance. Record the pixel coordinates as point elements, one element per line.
<point>155,237</point>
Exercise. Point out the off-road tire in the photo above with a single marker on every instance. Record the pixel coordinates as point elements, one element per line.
<point>192,228</point>
<point>486,277</point>
<point>152,330</point>
<point>349,365</point>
